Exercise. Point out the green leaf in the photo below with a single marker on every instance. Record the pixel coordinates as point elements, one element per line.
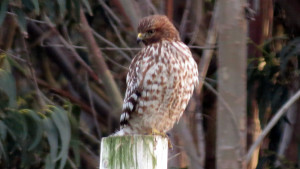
<point>49,164</point>
<point>21,19</point>
<point>74,117</point>
<point>52,136</point>
<point>35,125</point>
<point>75,145</point>
<point>51,9</point>
<point>77,9</point>
<point>60,118</point>
<point>290,50</point>
<point>28,5</point>
<point>2,151</point>
<point>88,7</point>
<point>8,86</point>
<point>75,113</point>
<point>4,62</point>
<point>13,63</point>
<point>3,131</point>
<point>3,8</point>
<point>62,7</point>
<point>16,126</point>
<point>4,100</point>
<point>36,6</point>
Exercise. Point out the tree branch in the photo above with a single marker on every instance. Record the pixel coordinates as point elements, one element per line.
<point>63,58</point>
<point>188,144</point>
<point>184,19</point>
<point>101,67</point>
<point>131,11</point>
<point>272,123</point>
<point>207,54</point>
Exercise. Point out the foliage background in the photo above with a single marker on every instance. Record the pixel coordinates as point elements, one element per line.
<point>63,66</point>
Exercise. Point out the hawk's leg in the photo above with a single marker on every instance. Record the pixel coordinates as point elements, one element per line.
<point>156,132</point>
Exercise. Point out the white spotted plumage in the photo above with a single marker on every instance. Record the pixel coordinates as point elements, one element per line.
<point>160,81</point>
<point>164,92</point>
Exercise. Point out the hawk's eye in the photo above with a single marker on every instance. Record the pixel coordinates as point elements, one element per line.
<point>150,31</point>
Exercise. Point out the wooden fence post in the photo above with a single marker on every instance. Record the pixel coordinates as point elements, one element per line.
<point>134,152</point>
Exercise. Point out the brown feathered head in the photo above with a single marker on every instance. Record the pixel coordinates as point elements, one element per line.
<point>155,28</point>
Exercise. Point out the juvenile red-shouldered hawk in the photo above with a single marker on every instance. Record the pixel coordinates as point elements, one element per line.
<point>160,81</point>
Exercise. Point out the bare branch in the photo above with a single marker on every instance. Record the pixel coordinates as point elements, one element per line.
<point>169,9</point>
<point>197,13</point>
<point>101,67</point>
<point>32,72</point>
<point>63,58</point>
<point>170,158</point>
<point>226,105</point>
<point>200,137</point>
<point>63,43</point>
<point>131,11</point>
<point>152,7</point>
<point>272,123</point>
<point>207,54</point>
<point>62,46</point>
<point>112,14</point>
<point>184,18</point>
<point>188,144</point>
<point>97,35</point>
<point>27,18</point>
<point>115,63</point>
<point>120,49</point>
<point>209,45</point>
<point>93,107</point>
<point>116,30</point>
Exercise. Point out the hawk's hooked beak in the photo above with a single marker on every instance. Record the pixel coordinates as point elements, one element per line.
<point>139,38</point>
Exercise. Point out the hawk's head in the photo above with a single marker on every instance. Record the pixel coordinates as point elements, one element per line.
<point>156,28</point>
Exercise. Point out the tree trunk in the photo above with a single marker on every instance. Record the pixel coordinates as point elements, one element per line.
<point>231,113</point>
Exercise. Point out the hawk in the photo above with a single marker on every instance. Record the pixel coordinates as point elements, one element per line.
<point>160,81</point>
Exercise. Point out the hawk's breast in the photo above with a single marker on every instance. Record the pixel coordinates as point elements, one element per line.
<point>160,83</point>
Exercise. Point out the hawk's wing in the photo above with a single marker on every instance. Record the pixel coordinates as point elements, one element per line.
<point>145,77</point>
<point>160,83</point>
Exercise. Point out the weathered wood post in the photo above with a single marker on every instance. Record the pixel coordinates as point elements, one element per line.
<point>134,152</point>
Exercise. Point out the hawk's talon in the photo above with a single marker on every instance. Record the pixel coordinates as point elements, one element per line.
<point>170,145</point>
<point>156,132</point>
